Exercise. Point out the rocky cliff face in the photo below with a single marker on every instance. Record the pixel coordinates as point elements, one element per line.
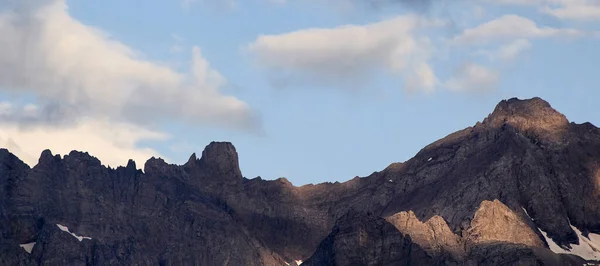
<point>515,189</point>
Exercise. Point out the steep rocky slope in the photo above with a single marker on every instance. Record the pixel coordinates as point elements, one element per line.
<point>511,190</point>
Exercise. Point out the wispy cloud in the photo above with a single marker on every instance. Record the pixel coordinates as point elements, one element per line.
<point>581,10</point>
<point>471,77</point>
<point>507,52</point>
<point>510,27</point>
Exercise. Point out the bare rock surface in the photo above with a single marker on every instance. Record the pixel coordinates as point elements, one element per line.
<point>434,235</point>
<point>495,222</point>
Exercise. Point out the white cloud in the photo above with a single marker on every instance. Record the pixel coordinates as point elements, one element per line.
<point>79,74</point>
<point>420,77</point>
<point>509,27</point>
<point>584,10</point>
<point>348,54</point>
<point>113,143</point>
<point>581,11</point>
<point>58,58</point>
<point>472,77</point>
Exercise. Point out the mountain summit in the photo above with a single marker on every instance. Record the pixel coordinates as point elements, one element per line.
<point>520,188</point>
<point>534,116</point>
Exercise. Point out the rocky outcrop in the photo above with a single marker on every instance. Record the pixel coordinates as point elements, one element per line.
<point>495,222</point>
<point>221,159</point>
<point>364,239</point>
<point>359,239</point>
<point>475,197</point>
<point>534,117</point>
<point>434,235</point>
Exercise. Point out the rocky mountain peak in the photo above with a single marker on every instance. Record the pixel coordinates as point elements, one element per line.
<point>48,158</point>
<point>81,159</point>
<point>527,114</point>
<point>221,158</point>
<point>155,165</point>
<point>192,160</point>
<point>131,165</point>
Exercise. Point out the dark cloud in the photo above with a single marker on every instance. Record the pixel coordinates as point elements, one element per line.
<point>53,114</point>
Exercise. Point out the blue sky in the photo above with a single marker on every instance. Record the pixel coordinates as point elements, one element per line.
<point>309,90</point>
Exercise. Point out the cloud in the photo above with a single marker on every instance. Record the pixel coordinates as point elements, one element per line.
<point>77,73</point>
<point>61,60</point>
<point>113,143</point>
<point>586,11</point>
<point>583,10</point>
<point>509,27</point>
<point>348,55</point>
<point>503,39</point>
<point>507,52</point>
<point>471,77</point>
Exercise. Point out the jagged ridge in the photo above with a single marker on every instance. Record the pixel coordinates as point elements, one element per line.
<point>525,155</point>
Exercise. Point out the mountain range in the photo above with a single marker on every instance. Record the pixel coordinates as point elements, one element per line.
<point>522,187</point>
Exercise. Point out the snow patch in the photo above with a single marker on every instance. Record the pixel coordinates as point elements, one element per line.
<point>66,229</point>
<point>391,181</point>
<point>588,248</point>
<point>430,159</point>
<point>298,262</point>
<point>28,247</point>
<point>527,213</point>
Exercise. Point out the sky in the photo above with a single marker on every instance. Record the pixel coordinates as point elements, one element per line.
<point>313,91</point>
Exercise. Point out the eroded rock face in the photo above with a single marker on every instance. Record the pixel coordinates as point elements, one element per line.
<point>132,218</point>
<point>359,239</point>
<point>532,116</point>
<point>495,222</point>
<point>459,201</point>
<point>357,235</point>
<point>434,235</point>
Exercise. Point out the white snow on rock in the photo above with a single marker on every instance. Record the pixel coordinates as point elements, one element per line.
<point>66,229</point>
<point>588,248</point>
<point>298,262</point>
<point>430,159</point>
<point>28,247</point>
<point>527,213</point>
